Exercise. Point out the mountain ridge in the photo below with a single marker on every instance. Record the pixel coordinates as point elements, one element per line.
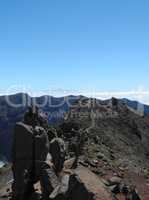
<point>59,106</point>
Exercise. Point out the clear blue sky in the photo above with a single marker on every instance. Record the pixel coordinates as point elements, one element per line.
<point>74,44</point>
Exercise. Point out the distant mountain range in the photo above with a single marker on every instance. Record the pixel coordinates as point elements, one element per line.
<point>137,106</point>
<point>56,107</point>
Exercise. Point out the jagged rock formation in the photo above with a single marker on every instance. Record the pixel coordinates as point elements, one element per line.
<point>10,114</point>
<point>113,151</point>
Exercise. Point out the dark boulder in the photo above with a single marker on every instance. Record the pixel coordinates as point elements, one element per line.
<point>29,143</point>
<point>58,153</point>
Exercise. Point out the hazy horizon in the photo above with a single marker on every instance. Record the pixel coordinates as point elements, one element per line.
<point>108,96</point>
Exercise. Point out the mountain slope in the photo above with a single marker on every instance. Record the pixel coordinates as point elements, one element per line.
<point>114,130</point>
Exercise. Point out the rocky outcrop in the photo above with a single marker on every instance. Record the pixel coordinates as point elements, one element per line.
<point>82,184</point>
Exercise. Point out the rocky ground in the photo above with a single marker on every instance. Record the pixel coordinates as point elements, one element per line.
<point>94,183</point>
<point>113,143</point>
<point>116,143</point>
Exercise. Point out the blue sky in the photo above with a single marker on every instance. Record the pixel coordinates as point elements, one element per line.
<point>100,45</point>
